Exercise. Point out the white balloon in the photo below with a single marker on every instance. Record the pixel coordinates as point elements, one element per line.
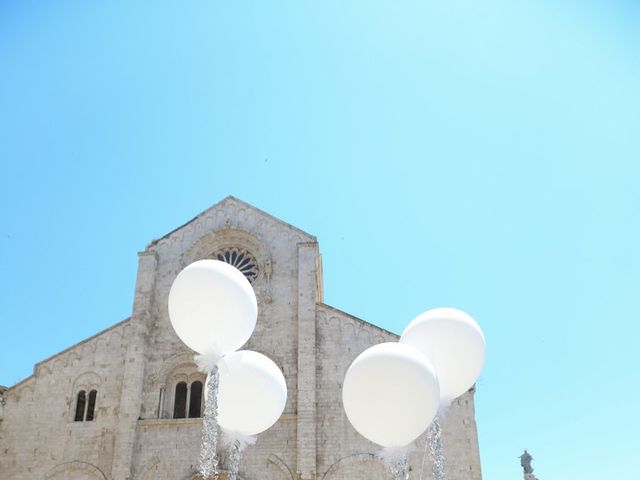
<point>390,394</point>
<point>212,307</point>
<point>252,392</point>
<point>454,343</point>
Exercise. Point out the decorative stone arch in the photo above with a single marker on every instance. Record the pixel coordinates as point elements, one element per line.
<point>235,238</point>
<point>151,472</point>
<point>87,382</point>
<point>178,368</point>
<point>282,466</point>
<point>58,364</point>
<point>352,465</point>
<point>75,471</point>
<point>171,363</point>
<point>100,343</point>
<point>115,336</point>
<point>44,369</point>
<point>186,372</point>
<point>72,359</point>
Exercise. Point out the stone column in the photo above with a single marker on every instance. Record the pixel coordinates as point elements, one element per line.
<point>529,476</point>
<point>306,422</point>
<point>471,434</point>
<point>133,376</point>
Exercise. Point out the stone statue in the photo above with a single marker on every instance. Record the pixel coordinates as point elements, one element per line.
<point>525,462</point>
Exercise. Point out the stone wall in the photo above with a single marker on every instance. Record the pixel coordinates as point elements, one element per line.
<point>341,338</point>
<point>39,437</point>
<point>276,246</point>
<point>134,366</point>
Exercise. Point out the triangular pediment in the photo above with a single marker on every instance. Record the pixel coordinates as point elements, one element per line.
<point>230,207</point>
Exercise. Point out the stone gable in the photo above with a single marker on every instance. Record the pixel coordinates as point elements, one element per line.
<point>135,367</point>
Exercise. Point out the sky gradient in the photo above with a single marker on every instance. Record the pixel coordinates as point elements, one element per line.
<point>482,155</point>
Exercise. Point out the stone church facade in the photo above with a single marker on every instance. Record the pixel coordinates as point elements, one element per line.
<point>125,403</point>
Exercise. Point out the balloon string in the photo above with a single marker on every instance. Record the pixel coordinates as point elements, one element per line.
<point>234,460</point>
<point>424,453</point>
<point>395,459</point>
<point>400,469</point>
<point>436,452</point>
<point>208,460</point>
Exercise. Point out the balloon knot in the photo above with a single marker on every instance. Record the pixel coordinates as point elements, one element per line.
<point>206,362</point>
<point>230,438</point>
<point>393,455</point>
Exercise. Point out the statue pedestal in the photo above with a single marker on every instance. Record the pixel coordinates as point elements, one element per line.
<point>529,476</point>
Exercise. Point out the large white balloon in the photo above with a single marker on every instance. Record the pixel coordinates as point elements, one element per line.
<point>212,307</point>
<point>454,343</point>
<point>252,392</point>
<point>390,394</point>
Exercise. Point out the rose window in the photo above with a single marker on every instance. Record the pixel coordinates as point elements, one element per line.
<point>239,258</point>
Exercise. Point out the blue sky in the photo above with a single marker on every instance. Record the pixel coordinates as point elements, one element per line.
<point>483,155</point>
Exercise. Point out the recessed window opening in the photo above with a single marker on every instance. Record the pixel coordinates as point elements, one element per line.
<point>80,404</point>
<point>195,403</point>
<point>91,406</point>
<point>180,403</point>
<point>85,407</point>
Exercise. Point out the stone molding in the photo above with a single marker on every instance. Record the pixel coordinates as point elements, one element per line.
<point>162,377</point>
<point>68,356</point>
<point>353,458</point>
<point>86,381</point>
<point>229,237</point>
<point>282,465</point>
<point>63,470</point>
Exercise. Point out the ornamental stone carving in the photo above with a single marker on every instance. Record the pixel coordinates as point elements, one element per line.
<point>75,470</point>
<point>240,249</point>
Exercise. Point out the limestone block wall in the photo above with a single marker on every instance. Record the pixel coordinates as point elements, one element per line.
<point>342,452</point>
<point>133,438</point>
<point>460,439</point>
<point>38,435</point>
<point>170,449</point>
<point>286,288</point>
<point>230,223</point>
<point>341,338</point>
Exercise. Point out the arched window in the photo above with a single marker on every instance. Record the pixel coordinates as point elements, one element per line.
<point>80,403</point>
<point>180,386</point>
<point>85,389</point>
<point>180,401</point>
<point>195,402</point>
<point>92,405</point>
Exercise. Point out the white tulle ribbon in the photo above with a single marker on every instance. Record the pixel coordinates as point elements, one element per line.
<point>396,460</point>
<point>206,362</point>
